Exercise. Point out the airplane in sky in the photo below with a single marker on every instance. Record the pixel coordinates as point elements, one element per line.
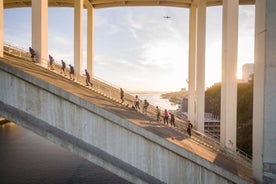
<point>166,17</point>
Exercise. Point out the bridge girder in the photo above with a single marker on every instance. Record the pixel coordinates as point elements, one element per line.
<point>117,3</point>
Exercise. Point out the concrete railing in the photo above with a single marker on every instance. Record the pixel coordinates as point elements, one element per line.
<point>112,92</point>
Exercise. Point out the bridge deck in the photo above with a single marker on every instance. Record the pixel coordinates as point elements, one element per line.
<point>139,119</point>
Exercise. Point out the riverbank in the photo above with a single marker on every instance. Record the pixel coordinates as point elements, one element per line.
<point>155,98</point>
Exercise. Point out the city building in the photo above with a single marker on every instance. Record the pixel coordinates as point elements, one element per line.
<point>247,71</point>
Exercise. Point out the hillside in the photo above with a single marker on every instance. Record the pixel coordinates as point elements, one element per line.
<point>176,97</point>
<point>244,111</point>
<point>212,105</point>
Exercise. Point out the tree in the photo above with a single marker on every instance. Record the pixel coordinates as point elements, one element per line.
<point>244,111</point>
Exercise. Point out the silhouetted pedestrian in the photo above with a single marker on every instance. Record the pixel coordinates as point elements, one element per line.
<point>145,106</point>
<point>166,117</point>
<point>172,120</point>
<point>157,113</point>
<point>51,59</point>
<point>189,128</point>
<point>137,103</point>
<point>122,95</point>
<point>87,80</point>
<point>32,52</point>
<point>63,66</point>
<point>71,72</point>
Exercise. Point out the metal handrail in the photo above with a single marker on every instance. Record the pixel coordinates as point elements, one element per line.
<point>113,92</point>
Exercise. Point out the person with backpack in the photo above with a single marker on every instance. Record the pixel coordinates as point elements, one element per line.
<point>71,72</point>
<point>166,117</point>
<point>189,129</point>
<point>172,120</point>
<point>51,61</point>
<point>63,66</point>
<point>122,95</point>
<point>157,114</point>
<point>87,80</point>
<point>32,52</point>
<point>145,106</point>
<point>137,103</point>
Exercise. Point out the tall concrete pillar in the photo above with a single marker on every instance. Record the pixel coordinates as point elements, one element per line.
<point>40,29</point>
<point>228,125</point>
<point>264,105</point>
<point>192,63</point>
<point>78,36</point>
<point>200,65</point>
<point>1,29</point>
<point>90,40</point>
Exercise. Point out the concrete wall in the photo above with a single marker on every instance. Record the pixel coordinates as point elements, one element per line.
<point>99,136</point>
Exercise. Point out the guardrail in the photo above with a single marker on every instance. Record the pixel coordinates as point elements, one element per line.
<point>112,92</point>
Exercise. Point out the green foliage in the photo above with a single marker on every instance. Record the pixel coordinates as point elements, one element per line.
<point>212,99</point>
<point>245,102</point>
<point>244,111</point>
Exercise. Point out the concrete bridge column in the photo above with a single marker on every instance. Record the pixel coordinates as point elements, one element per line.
<point>200,65</point>
<point>192,62</point>
<point>40,30</point>
<point>78,36</point>
<point>228,125</point>
<point>1,28</point>
<point>264,104</point>
<point>90,40</point>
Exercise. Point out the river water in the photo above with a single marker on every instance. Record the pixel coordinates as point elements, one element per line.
<point>155,99</point>
<point>26,158</point>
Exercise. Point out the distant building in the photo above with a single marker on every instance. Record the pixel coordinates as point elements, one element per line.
<point>211,123</point>
<point>184,105</point>
<point>183,89</point>
<point>247,71</point>
<point>212,127</point>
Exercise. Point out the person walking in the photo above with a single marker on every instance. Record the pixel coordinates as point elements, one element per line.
<point>51,59</point>
<point>166,117</point>
<point>145,106</point>
<point>122,95</point>
<point>63,66</point>
<point>137,103</point>
<point>87,80</point>
<point>189,128</point>
<point>71,72</point>
<point>32,52</point>
<point>157,113</point>
<point>172,120</point>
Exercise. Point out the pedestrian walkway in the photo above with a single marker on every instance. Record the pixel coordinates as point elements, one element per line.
<point>170,134</point>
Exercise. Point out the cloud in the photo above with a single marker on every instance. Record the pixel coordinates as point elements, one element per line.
<point>135,47</point>
<point>150,50</point>
<point>106,23</point>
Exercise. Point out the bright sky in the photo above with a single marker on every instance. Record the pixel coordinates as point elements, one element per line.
<point>135,47</point>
